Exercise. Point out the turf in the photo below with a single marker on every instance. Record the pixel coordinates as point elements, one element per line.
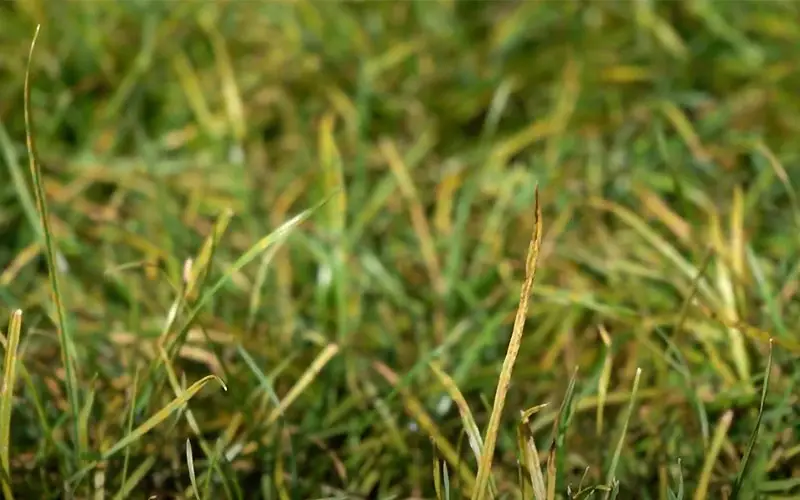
<point>287,249</point>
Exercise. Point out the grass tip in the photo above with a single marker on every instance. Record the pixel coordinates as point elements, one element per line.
<point>187,270</point>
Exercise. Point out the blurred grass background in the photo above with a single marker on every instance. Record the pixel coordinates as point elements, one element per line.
<point>662,136</point>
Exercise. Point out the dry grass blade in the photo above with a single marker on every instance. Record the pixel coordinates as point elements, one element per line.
<point>6,397</point>
<point>65,337</point>
<point>530,454</point>
<point>485,465</point>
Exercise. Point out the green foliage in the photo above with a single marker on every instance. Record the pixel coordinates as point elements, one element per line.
<point>326,206</point>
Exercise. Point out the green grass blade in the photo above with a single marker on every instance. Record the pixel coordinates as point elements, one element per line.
<point>129,429</point>
<point>556,454</point>
<point>742,474</point>
<point>137,476</point>
<point>261,245</point>
<point>612,469</point>
<point>190,465</point>
<point>467,419</point>
<point>65,335</point>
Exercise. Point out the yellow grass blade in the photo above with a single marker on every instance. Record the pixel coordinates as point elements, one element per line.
<point>485,465</point>
<point>604,380</point>
<point>310,374</point>
<point>6,397</point>
<point>701,493</point>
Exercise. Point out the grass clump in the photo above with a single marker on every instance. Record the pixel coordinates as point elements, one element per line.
<point>324,207</point>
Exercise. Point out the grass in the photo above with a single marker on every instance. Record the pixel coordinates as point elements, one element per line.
<point>325,208</point>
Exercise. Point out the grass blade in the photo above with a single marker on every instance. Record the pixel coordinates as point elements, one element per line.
<point>701,493</point>
<point>6,397</point>
<point>610,477</point>
<point>555,457</point>
<point>603,380</point>
<point>530,455</point>
<point>190,465</point>
<point>306,378</point>
<point>485,465</point>
<point>470,427</point>
<point>261,245</point>
<point>416,410</point>
<point>742,475</point>
<point>151,422</point>
<point>65,336</point>
<point>138,474</point>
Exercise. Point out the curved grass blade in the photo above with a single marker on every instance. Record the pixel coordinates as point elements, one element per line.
<point>530,454</point>
<point>260,246</point>
<point>470,427</point>
<point>65,337</point>
<point>742,475</point>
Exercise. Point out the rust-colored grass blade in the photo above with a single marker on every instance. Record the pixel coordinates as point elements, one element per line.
<point>493,428</point>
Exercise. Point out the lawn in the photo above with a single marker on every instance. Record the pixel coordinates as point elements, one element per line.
<point>419,249</point>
